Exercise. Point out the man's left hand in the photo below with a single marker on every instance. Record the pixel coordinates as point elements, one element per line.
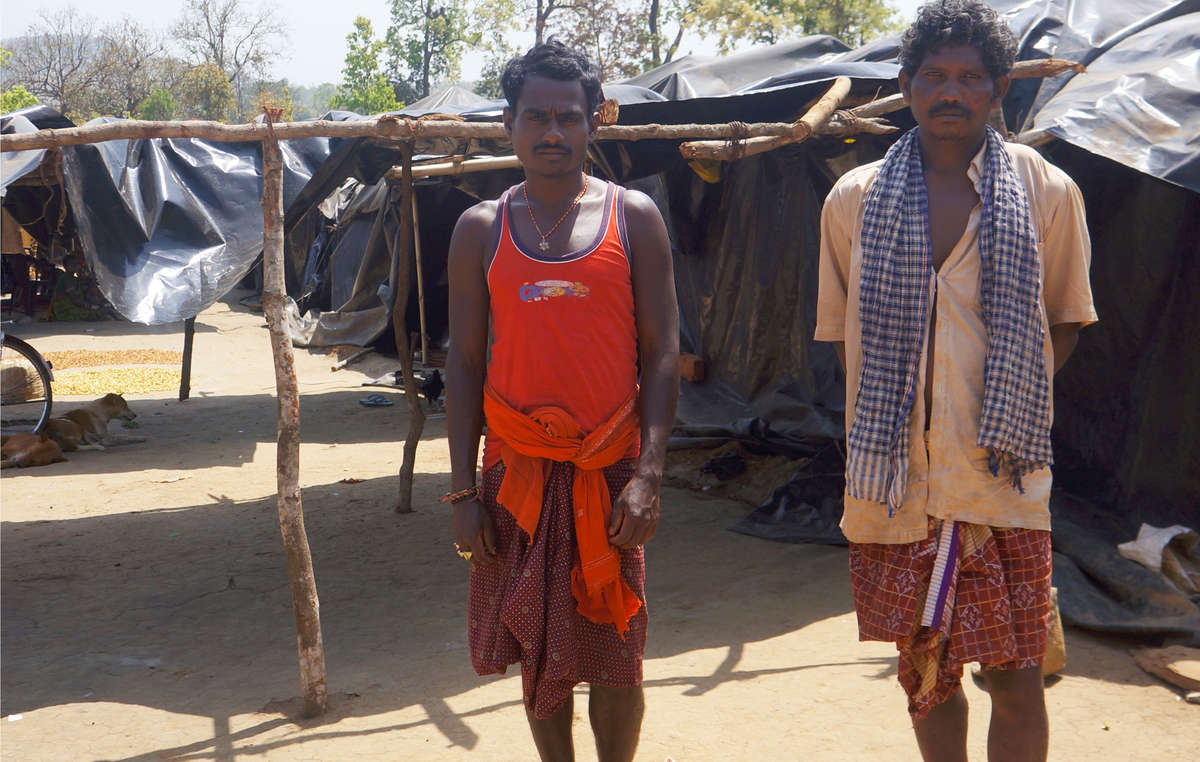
<point>634,514</point>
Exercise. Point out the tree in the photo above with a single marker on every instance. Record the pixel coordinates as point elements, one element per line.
<point>364,87</point>
<point>612,32</point>
<point>239,42</point>
<point>769,21</point>
<point>54,60</point>
<point>158,106</point>
<point>16,97</point>
<point>663,13</point>
<point>274,95</point>
<point>205,93</point>
<point>425,43</point>
<point>130,64</point>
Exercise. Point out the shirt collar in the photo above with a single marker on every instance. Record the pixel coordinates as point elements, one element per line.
<point>975,170</point>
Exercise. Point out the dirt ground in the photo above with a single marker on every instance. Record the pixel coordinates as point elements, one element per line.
<point>146,611</point>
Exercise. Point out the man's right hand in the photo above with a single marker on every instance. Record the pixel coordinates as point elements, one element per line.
<point>474,531</point>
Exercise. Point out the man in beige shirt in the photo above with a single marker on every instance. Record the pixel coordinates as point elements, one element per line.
<point>953,281</point>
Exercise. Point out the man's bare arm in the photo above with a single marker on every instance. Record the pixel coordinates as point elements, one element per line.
<point>636,512</point>
<point>466,368</point>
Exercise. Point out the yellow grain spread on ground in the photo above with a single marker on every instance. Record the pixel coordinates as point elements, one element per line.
<point>90,358</point>
<point>133,379</point>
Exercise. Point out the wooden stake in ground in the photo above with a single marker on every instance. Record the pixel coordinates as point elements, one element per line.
<point>402,253</point>
<point>305,605</point>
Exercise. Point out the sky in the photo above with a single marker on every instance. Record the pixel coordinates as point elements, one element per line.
<point>316,44</point>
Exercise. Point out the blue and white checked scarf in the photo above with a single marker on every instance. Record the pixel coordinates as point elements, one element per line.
<point>894,292</point>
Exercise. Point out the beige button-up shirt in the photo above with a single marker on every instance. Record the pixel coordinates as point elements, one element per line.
<point>948,475</point>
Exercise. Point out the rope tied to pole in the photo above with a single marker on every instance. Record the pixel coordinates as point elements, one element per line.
<point>735,144</point>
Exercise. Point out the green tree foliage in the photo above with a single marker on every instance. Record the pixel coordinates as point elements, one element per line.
<point>16,97</point>
<point>364,87</point>
<point>158,106</point>
<point>736,22</point>
<point>237,40</point>
<point>425,43</point>
<point>275,95</point>
<point>205,93</point>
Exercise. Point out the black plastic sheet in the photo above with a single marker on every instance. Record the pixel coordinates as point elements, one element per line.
<point>169,226</point>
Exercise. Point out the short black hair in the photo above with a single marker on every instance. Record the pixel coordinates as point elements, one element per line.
<point>553,60</point>
<point>959,22</point>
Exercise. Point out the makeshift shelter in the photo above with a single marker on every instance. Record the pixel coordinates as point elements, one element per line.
<point>745,237</point>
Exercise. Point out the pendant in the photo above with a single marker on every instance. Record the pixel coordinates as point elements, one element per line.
<point>544,246</point>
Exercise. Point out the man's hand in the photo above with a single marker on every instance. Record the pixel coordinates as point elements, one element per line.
<point>474,531</point>
<point>634,514</point>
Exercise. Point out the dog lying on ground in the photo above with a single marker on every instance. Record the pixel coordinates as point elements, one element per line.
<point>24,450</point>
<point>86,428</point>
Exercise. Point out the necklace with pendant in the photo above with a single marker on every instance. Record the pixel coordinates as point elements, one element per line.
<point>544,245</point>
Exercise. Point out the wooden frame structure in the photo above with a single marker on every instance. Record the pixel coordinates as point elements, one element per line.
<point>726,142</point>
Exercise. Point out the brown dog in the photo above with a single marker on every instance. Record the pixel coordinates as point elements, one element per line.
<point>86,428</point>
<point>24,450</point>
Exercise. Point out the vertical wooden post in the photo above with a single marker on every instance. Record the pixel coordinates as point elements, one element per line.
<point>185,373</point>
<point>305,605</point>
<point>403,254</point>
<point>420,281</point>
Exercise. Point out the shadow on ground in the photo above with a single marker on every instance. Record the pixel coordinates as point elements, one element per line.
<point>188,610</point>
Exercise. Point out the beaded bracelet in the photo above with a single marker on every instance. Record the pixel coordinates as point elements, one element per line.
<point>462,496</point>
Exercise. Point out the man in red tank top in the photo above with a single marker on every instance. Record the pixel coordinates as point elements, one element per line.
<point>573,274</point>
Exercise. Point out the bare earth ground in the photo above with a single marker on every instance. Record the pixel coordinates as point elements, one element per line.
<point>146,612</point>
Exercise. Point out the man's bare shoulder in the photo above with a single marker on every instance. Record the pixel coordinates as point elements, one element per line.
<point>478,218</point>
<point>474,231</point>
<point>639,206</point>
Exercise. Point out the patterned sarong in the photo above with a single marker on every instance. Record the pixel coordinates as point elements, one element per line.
<point>522,609</point>
<point>966,593</point>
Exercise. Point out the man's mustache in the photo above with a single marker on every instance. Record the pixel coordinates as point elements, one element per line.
<point>948,108</point>
<point>550,147</point>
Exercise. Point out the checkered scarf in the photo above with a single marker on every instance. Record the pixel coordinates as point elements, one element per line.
<point>894,294</point>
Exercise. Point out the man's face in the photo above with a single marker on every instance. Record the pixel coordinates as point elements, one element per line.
<point>551,126</point>
<point>951,93</point>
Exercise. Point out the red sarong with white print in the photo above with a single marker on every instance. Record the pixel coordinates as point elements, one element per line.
<point>522,608</point>
<point>966,593</point>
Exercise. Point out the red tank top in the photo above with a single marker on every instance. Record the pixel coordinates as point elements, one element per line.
<point>563,330</point>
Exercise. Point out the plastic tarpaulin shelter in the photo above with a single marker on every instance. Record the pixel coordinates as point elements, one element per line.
<point>169,226</point>
<point>745,250</point>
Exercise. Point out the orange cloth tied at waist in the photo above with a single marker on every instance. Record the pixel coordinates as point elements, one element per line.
<point>531,443</point>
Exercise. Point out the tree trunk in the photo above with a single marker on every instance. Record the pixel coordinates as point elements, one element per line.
<point>305,605</point>
<point>539,23</point>
<point>402,256</point>
<point>655,42</point>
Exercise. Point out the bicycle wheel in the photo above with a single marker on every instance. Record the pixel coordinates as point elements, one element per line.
<point>25,393</point>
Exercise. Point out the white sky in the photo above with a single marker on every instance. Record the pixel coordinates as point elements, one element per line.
<point>318,28</point>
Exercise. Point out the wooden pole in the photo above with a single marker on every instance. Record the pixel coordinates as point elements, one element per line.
<point>185,373</point>
<point>305,605</point>
<point>402,252</point>
<point>458,165</point>
<point>808,124</point>
<point>444,126</point>
<point>399,130</point>
<point>420,278</point>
